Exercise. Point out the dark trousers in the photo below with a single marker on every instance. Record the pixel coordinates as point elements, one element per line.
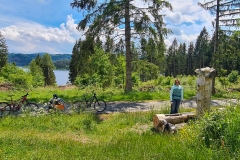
<point>175,106</point>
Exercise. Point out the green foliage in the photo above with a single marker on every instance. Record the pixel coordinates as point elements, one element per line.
<point>62,64</point>
<point>222,72</point>
<point>220,129</point>
<point>87,80</point>
<point>62,136</point>
<point>2,80</point>
<point>3,51</point>
<point>102,19</point>
<point>16,75</point>
<point>168,80</point>
<point>25,59</point>
<point>146,70</point>
<point>100,71</point>
<point>36,72</point>
<point>135,79</point>
<point>233,76</point>
<point>47,67</point>
<point>224,81</point>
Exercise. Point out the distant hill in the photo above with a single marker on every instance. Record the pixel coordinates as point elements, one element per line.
<point>24,59</point>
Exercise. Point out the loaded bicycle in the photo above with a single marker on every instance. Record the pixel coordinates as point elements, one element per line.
<point>81,105</point>
<point>13,106</point>
<point>56,104</point>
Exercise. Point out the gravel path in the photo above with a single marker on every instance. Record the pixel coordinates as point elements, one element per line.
<point>157,105</point>
<point>152,105</point>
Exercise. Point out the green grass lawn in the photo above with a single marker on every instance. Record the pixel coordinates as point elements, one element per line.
<point>102,136</point>
<point>120,136</point>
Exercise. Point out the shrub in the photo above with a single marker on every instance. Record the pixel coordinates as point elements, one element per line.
<point>233,76</point>
<point>220,129</point>
<point>223,81</point>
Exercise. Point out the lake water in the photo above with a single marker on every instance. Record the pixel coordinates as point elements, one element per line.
<point>61,76</point>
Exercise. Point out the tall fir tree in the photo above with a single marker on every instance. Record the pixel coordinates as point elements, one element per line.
<point>124,19</point>
<point>190,69</point>
<point>47,68</point>
<point>3,51</point>
<point>201,50</point>
<point>171,58</point>
<point>37,73</point>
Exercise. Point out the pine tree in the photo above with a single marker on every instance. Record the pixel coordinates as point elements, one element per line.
<point>172,59</point>
<point>201,49</point>
<point>37,73</point>
<point>73,66</point>
<point>226,12</point>
<point>47,68</point>
<point>111,17</point>
<point>3,51</point>
<point>190,69</point>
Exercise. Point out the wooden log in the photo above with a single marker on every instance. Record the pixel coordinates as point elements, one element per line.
<point>175,119</point>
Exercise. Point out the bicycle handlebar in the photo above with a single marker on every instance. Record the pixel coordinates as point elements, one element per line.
<point>25,95</point>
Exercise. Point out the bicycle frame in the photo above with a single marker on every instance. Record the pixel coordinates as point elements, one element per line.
<point>90,101</point>
<point>16,105</point>
<point>98,104</point>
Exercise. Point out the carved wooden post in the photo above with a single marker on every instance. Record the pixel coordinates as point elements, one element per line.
<point>204,90</point>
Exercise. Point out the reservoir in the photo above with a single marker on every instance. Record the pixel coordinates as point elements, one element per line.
<point>61,77</point>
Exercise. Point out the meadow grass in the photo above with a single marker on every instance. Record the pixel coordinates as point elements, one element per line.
<point>119,136</point>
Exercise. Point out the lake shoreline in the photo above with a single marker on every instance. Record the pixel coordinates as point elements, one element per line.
<point>60,75</point>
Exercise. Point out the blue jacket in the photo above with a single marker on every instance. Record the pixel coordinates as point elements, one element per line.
<point>176,92</point>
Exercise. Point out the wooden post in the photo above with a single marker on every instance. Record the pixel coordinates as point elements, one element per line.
<point>204,90</point>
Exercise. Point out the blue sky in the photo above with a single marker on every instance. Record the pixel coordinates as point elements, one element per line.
<point>31,26</point>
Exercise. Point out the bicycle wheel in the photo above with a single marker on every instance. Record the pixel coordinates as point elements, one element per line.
<point>5,109</point>
<point>100,105</point>
<point>79,106</point>
<point>30,107</point>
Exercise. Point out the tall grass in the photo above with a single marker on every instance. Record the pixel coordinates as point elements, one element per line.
<point>117,136</point>
<point>151,90</point>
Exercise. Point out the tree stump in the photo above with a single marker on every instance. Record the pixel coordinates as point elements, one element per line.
<point>204,90</point>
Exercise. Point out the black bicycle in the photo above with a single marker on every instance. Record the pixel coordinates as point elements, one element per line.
<point>98,104</point>
<point>14,106</point>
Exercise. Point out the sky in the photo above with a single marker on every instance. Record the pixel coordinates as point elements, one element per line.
<point>49,26</point>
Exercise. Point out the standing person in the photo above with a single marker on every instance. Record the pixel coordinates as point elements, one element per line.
<point>176,96</point>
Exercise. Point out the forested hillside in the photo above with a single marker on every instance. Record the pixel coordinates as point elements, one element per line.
<point>61,61</point>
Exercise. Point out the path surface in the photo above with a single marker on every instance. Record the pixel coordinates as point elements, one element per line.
<point>157,105</point>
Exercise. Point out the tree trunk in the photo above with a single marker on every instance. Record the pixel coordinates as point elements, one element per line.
<point>170,118</point>
<point>128,86</point>
<point>204,90</point>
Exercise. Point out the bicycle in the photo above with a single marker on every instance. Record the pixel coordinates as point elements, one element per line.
<point>56,104</point>
<point>14,106</point>
<point>98,104</point>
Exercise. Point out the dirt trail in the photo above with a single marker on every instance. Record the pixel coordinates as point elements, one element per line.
<point>157,105</point>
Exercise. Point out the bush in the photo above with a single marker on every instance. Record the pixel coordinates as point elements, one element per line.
<point>16,75</point>
<point>220,129</point>
<point>233,76</point>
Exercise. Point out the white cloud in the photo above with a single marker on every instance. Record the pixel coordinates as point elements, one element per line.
<point>43,35</point>
<point>29,37</point>
<point>186,21</point>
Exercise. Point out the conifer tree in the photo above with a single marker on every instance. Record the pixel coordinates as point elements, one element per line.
<point>37,73</point>
<point>201,50</point>
<point>190,69</point>
<point>111,17</point>
<point>47,68</point>
<point>3,51</point>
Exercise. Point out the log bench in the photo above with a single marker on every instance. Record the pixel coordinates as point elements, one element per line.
<point>171,118</point>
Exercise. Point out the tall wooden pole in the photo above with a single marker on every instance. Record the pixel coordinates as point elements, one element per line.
<point>215,46</point>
